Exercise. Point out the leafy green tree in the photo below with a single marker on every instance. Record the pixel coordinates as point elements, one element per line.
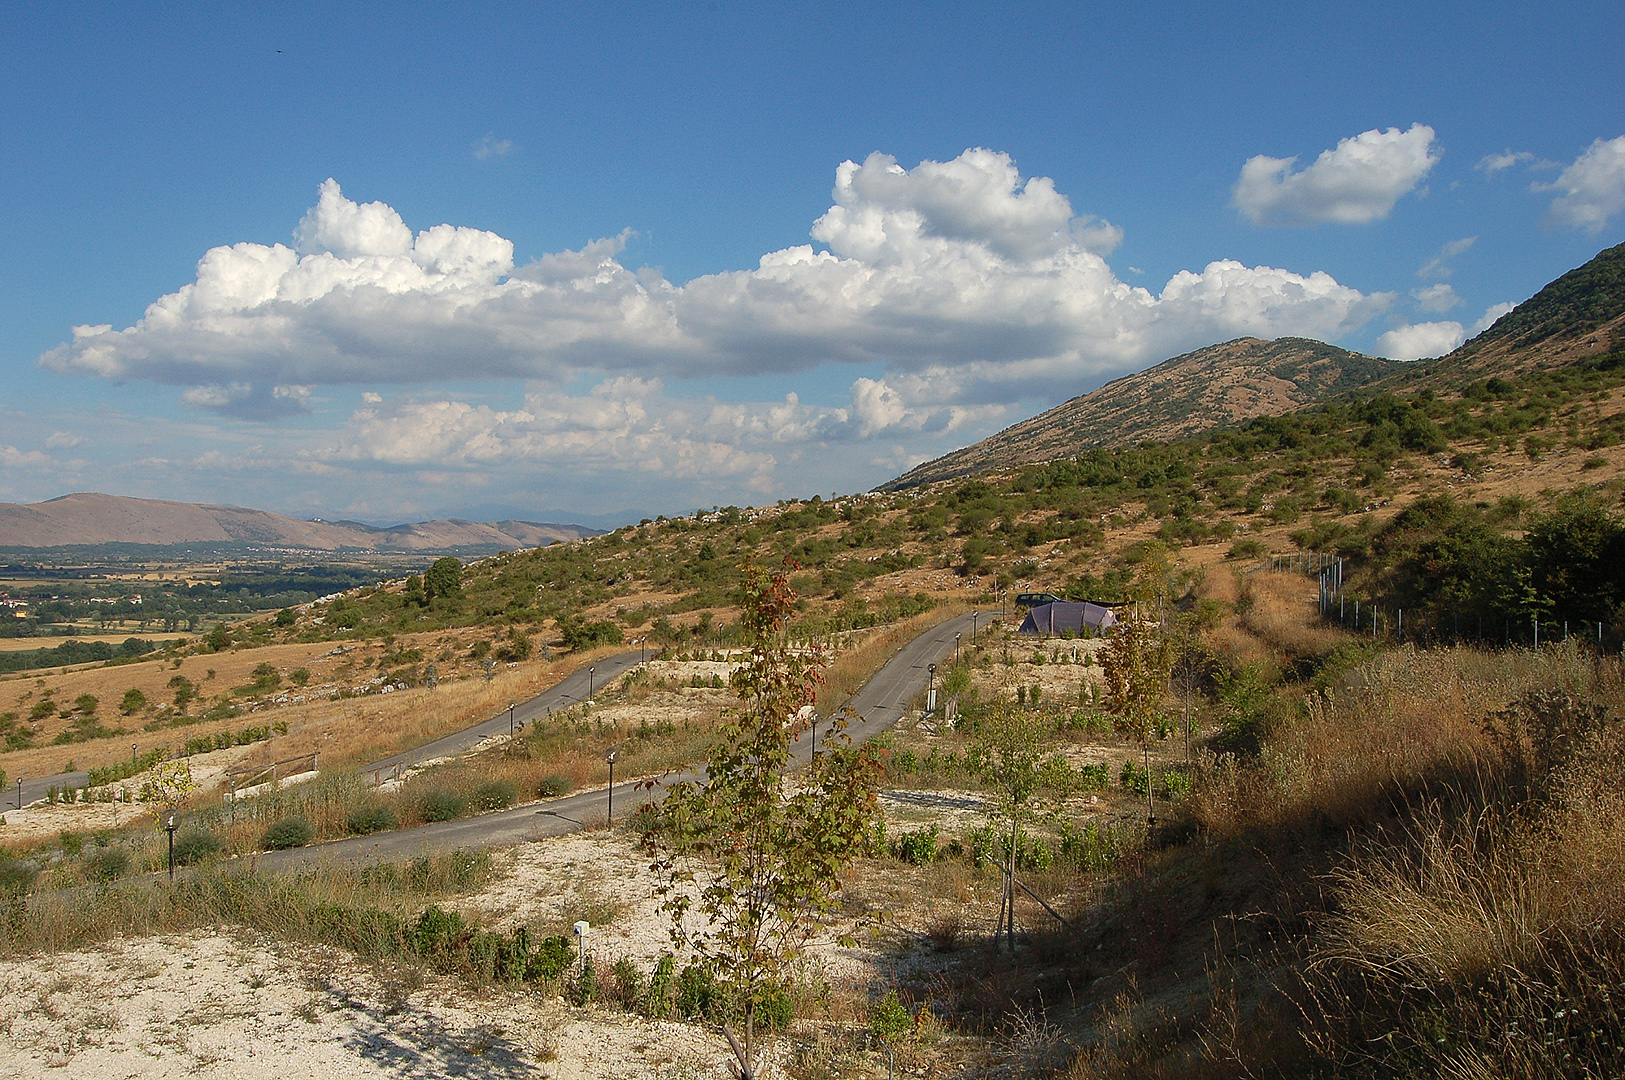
<point>444,578</point>
<point>758,856</point>
<point>133,701</point>
<point>1575,557</point>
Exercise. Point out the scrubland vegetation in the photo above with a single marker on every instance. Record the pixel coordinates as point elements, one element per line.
<point>1253,835</point>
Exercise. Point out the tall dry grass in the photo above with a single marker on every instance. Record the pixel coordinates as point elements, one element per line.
<point>319,905</point>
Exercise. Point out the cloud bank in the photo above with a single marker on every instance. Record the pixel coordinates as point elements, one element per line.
<point>1357,181</point>
<point>962,272</point>
<point>1592,190</point>
<point>1416,340</point>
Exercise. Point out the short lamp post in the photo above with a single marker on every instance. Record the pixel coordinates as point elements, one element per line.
<point>931,689</point>
<point>510,719</point>
<point>590,670</point>
<point>609,759</point>
<point>956,648</point>
<point>973,628</point>
<point>169,826</point>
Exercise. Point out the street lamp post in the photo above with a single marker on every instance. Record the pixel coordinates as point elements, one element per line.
<point>610,758</point>
<point>956,648</point>
<point>973,628</point>
<point>931,689</point>
<point>510,719</point>
<point>590,670</point>
<point>169,825</point>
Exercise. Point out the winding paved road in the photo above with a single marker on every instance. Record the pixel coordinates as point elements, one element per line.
<point>573,690</point>
<point>878,704</point>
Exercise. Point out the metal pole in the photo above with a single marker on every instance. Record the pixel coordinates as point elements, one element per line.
<point>590,670</point>
<point>510,719</point>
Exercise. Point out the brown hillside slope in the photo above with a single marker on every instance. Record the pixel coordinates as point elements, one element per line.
<point>1218,385</point>
<point>91,518</point>
<point>1576,318</point>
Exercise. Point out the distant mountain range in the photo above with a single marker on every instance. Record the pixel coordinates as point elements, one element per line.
<point>1578,318</point>
<point>89,519</point>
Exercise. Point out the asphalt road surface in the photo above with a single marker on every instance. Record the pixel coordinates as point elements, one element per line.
<point>877,706</point>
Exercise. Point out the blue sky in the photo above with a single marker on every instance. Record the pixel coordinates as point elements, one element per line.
<point>596,258</point>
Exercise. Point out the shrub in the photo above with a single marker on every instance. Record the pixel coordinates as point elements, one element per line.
<point>699,995</point>
<point>660,1000</point>
<point>1135,779</point>
<point>550,959</point>
<point>553,786</point>
<point>918,847</point>
<point>889,1018</point>
<point>495,795</point>
<point>290,832</point>
<point>441,805</point>
<point>16,875</point>
<point>194,845</point>
<point>370,818</point>
<point>108,863</point>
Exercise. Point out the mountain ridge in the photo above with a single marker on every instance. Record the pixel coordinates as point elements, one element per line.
<point>1227,383</point>
<point>93,518</point>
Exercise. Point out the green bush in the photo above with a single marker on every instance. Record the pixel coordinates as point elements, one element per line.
<point>699,995</point>
<point>194,845</point>
<point>660,1000</point>
<point>774,1007</point>
<point>1134,778</point>
<point>108,863</point>
<point>290,832</point>
<point>495,795</point>
<point>553,786</point>
<point>918,847</point>
<point>889,1018</point>
<point>550,959</point>
<point>370,818</point>
<point>441,805</point>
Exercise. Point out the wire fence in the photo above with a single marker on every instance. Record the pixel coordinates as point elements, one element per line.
<point>1393,623</point>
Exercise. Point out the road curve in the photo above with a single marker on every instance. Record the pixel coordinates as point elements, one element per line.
<point>573,690</point>
<point>877,705</point>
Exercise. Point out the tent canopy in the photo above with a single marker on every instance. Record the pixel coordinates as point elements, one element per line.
<point>1064,616</point>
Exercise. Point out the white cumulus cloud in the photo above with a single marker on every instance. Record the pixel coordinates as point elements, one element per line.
<point>1491,314</point>
<point>1416,340</point>
<point>631,425</point>
<point>1592,190</point>
<point>961,266</point>
<point>1358,180</point>
<point>1436,298</point>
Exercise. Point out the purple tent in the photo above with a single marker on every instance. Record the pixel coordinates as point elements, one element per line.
<point>1064,616</point>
